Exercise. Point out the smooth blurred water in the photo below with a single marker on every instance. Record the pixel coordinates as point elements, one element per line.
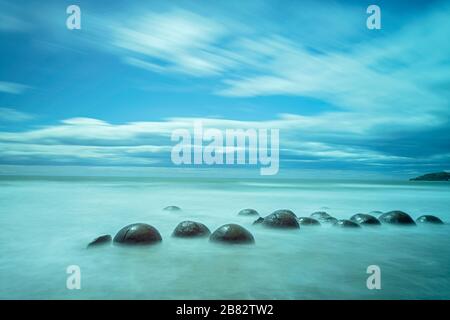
<point>47,222</point>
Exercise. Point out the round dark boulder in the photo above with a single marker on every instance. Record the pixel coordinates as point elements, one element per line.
<point>346,224</point>
<point>248,212</point>
<point>429,219</point>
<point>100,241</point>
<point>283,219</point>
<point>172,208</point>
<point>233,234</point>
<point>191,229</point>
<point>328,220</point>
<point>258,221</point>
<point>137,233</point>
<point>319,215</point>
<point>365,219</point>
<point>397,217</point>
<point>306,221</point>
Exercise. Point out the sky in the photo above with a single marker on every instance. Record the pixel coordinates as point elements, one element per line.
<point>344,98</point>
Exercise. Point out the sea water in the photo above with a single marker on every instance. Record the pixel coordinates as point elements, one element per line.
<point>46,223</point>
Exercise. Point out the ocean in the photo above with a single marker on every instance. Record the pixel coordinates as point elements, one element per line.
<point>46,223</point>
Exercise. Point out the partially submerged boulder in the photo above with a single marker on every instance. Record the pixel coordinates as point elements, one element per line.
<point>346,224</point>
<point>191,229</point>
<point>258,221</point>
<point>307,221</point>
<point>397,217</point>
<point>137,234</point>
<point>282,219</point>
<point>232,234</point>
<point>365,219</point>
<point>429,219</point>
<point>100,241</point>
<point>248,212</point>
<point>172,208</point>
<point>319,215</point>
<point>328,220</point>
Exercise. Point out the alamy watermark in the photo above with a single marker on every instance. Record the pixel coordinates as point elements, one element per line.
<point>227,147</point>
<point>73,281</point>
<point>373,21</point>
<point>74,20</point>
<point>374,280</point>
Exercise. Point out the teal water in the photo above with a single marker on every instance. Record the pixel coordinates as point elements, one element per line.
<point>47,222</point>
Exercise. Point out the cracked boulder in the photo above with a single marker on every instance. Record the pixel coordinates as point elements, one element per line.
<point>138,234</point>
<point>191,229</point>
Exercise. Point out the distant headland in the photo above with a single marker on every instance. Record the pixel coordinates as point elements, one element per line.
<point>437,176</point>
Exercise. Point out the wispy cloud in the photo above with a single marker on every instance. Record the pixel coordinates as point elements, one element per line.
<point>176,41</point>
<point>10,18</point>
<point>12,115</point>
<point>12,87</point>
<point>384,74</point>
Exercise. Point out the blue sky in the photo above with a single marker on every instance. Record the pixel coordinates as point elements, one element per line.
<point>344,98</point>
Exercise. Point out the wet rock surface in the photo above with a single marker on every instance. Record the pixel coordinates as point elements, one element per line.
<point>191,229</point>
<point>307,221</point>
<point>248,212</point>
<point>172,208</point>
<point>397,217</point>
<point>328,220</point>
<point>258,221</point>
<point>100,241</point>
<point>346,224</point>
<point>138,234</point>
<point>232,234</point>
<point>365,219</point>
<point>429,219</point>
<point>319,215</point>
<point>281,219</point>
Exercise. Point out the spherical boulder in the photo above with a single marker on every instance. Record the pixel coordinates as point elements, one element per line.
<point>328,220</point>
<point>319,215</point>
<point>248,212</point>
<point>346,224</point>
<point>138,233</point>
<point>191,229</point>
<point>282,219</point>
<point>258,221</point>
<point>172,208</point>
<point>397,217</point>
<point>429,219</point>
<point>232,234</point>
<point>306,221</point>
<point>365,219</point>
<point>100,241</point>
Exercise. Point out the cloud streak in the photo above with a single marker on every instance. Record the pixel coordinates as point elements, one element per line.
<point>95,142</point>
<point>12,115</point>
<point>12,87</point>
